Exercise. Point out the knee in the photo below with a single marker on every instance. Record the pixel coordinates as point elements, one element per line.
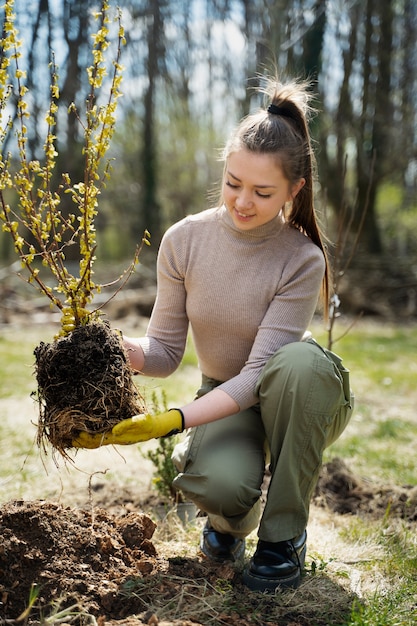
<point>292,361</point>
<point>230,496</point>
<point>298,355</point>
<point>300,376</point>
<point>218,493</point>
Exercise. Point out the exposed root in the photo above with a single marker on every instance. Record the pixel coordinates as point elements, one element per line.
<point>84,384</point>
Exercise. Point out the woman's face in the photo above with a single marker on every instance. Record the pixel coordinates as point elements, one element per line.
<point>255,189</point>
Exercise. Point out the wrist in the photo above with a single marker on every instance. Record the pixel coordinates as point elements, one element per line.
<point>182,418</point>
<point>134,353</point>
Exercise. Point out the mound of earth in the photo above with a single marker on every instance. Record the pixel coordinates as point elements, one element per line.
<point>71,556</point>
<point>97,564</point>
<point>344,493</point>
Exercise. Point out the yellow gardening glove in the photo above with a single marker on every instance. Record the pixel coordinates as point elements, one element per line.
<point>134,429</point>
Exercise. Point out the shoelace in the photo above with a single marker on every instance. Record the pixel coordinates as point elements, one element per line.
<point>296,553</point>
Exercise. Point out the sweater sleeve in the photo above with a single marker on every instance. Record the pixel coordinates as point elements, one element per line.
<point>166,336</point>
<point>286,320</point>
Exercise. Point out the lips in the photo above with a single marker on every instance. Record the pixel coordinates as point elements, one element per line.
<point>243,216</point>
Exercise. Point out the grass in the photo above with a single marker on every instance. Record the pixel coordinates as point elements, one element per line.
<point>381,438</point>
<point>215,601</point>
<point>16,366</point>
<point>360,572</point>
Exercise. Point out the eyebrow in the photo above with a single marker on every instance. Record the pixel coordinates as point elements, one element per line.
<point>257,186</point>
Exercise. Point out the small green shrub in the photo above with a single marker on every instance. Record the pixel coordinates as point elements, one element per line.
<point>165,471</point>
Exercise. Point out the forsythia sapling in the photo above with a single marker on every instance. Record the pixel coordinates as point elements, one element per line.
<point>30,209</point>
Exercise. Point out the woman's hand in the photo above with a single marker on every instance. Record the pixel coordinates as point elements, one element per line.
<point>134,353</point>
<point>134,429</point>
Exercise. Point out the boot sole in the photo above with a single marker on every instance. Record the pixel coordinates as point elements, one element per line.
<point>258,583</point>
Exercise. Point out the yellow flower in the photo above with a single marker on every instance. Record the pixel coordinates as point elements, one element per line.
<point>37,210</point>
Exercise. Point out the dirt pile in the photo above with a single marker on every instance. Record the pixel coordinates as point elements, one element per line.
<point>73,557</point>
<point>344,493</point>
<point>99,567</point>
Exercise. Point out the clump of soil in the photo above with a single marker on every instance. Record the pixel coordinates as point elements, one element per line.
<point>344,493</point>
<point>72,556</point>
<point>84,384</point>
<point>102,566</point>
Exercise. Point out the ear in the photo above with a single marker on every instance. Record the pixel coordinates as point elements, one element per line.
<point>297,186</point>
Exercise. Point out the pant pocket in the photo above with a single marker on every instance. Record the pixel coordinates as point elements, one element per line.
<point>339,423</point>
<point>343,415</point>
<point>344,376</point>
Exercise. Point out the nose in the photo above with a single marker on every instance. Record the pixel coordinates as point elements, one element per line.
<point>244,200</point>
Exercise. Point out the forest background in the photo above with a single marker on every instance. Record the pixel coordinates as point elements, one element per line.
<point>189,72</point>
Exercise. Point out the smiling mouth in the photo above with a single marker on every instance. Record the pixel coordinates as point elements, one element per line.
<point>243,215</point>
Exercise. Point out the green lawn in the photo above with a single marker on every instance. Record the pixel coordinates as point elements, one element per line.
<point>380,441</point>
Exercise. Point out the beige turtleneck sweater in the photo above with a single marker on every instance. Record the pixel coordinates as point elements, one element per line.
<point>244,294</point>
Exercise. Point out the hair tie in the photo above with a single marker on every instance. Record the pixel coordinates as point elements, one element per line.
<point>276,110</point>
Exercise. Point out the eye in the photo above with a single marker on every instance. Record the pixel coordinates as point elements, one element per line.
<point>231,185</point>
<point>263,195</point>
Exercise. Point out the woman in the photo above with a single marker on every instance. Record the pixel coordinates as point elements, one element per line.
<point>246,276</point>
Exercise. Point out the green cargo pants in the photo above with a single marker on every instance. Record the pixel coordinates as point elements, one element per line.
<point>305,402</point>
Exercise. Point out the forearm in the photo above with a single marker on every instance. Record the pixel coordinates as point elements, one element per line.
<point>212,406</point>
<point>134,353</point>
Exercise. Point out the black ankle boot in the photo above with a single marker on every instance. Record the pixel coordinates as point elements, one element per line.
<point>276,564</point>
<point>221,547</point>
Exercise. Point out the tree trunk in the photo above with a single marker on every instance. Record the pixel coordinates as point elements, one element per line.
<point>373,142</point>
<point>151,214</point>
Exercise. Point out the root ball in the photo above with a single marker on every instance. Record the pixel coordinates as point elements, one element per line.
<point>84,384</point>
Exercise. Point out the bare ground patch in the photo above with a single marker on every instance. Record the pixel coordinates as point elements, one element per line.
<point>110,562</point>
<point>85,535</point>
